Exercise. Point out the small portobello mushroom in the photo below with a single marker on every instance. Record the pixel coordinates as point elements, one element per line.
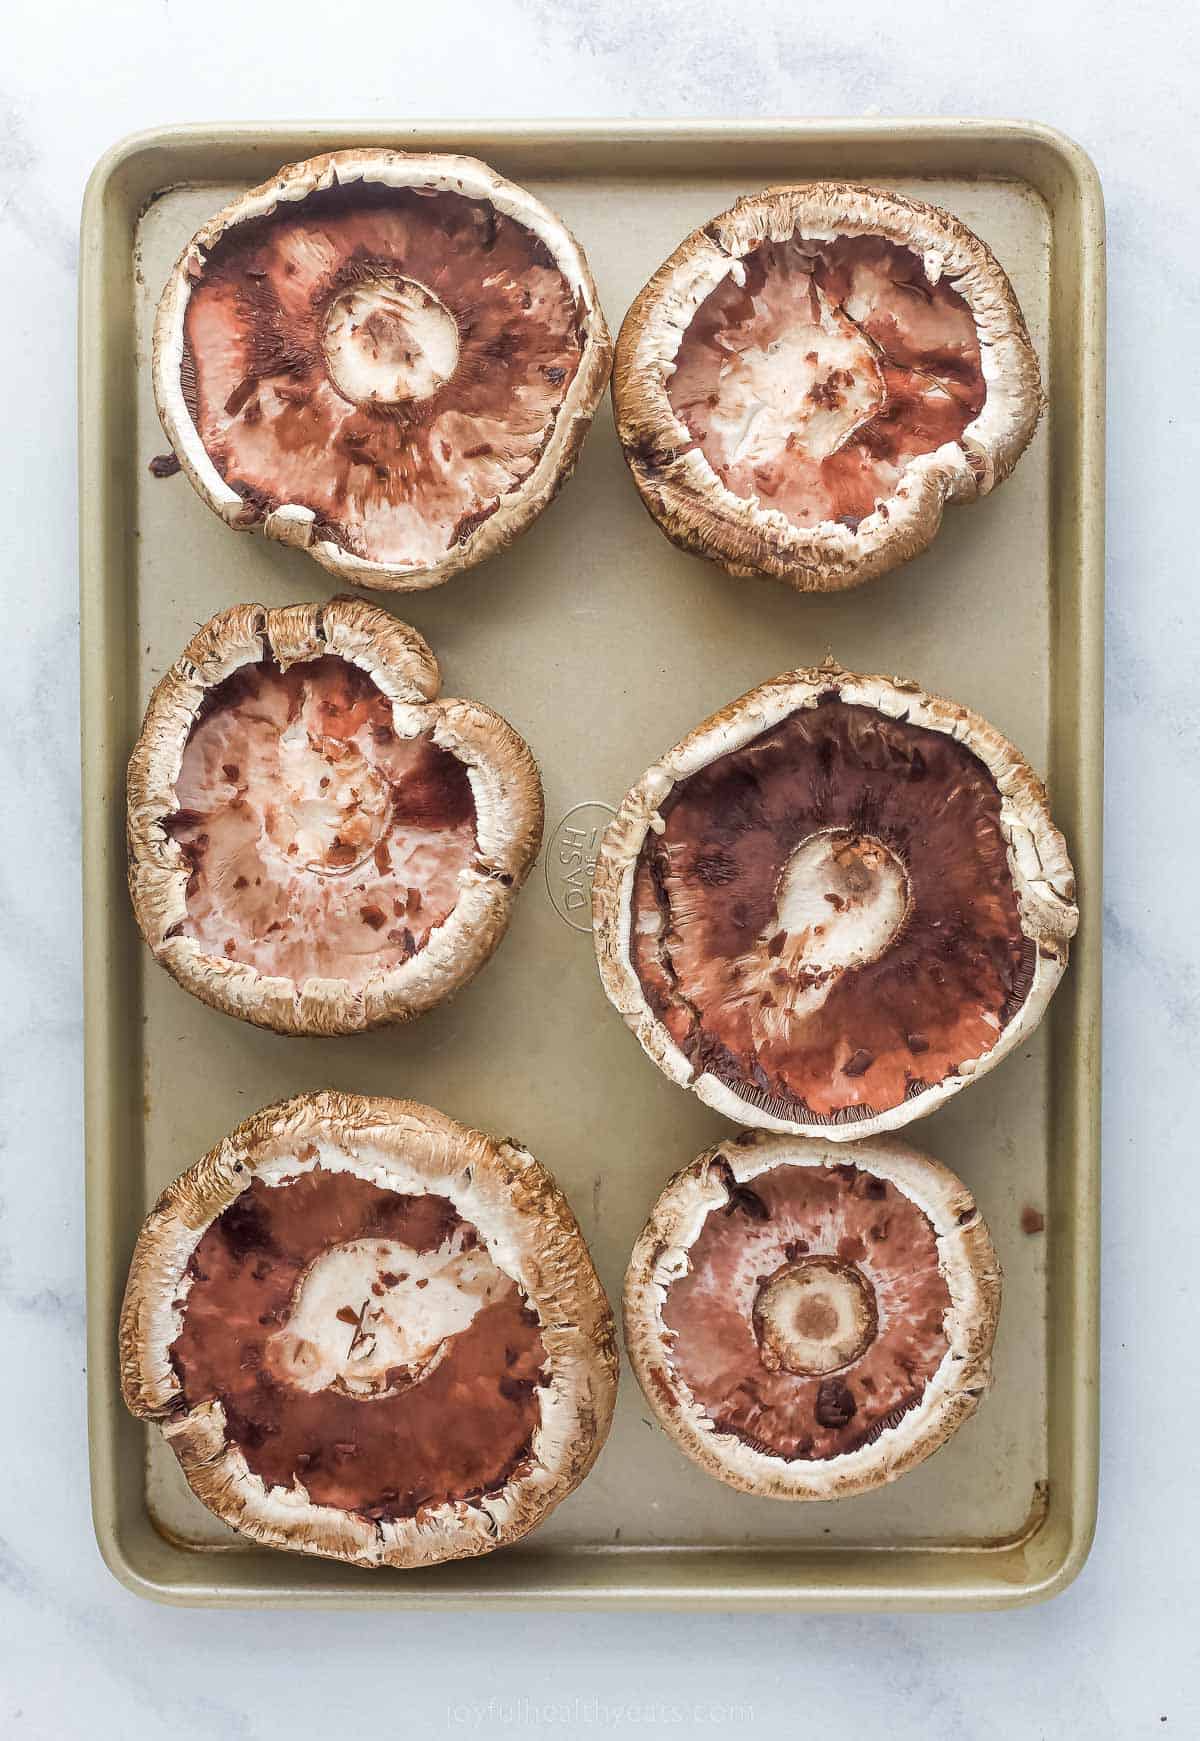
<point>317,843</point>
<point>808,1328</point>
<point>834,904</point>
<point>809,378</point>
<point>389,359</point>
<point>370,1334</point>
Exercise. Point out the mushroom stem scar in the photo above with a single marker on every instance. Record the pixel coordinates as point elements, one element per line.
<point>840,901</point>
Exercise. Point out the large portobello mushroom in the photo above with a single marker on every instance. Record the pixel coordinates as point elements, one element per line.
<point>318,843</point>
<point>834,904</point>
<point>811,376</point>
<point>369,1333</point>
<point>809,1322</point>
<point>390,359</point>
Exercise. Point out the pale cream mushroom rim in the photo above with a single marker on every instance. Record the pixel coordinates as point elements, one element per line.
<point>292,523</point>
<point>504,782</point>
<point>967,1262</point>
<point>528,1230</point>
<point>1043,879</point>
<point>743,534</point>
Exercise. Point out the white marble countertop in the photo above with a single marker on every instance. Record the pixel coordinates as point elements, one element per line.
<point>1115,1655</point>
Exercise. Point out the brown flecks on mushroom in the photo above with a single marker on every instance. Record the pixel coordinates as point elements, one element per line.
<point>717,868</point>
<point>468,524</point>
<point>405,379</point>
<point>662,1384</point>
<point>799,1332</point>
<point>1032,1220</point>
<point>240,396</point>
<point>743,1199</point>
<point>330,803</point>
<point>813,1009</point>
<point>835,1405</point>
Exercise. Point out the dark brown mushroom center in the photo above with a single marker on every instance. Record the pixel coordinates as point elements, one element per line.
<point>319,842</point>
<point>811,1316</point>
<point>388,340</point>
<point>363,1344</point>
<point>827,921</point>
<point>810,381</point>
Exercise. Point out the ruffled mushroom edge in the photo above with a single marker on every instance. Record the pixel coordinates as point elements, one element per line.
<point>530,1232</point>
<point>295,523</point>
<point>505,784</point>
<point>1041,870</point>
<point>967,1262</point>
<point>677,484</point>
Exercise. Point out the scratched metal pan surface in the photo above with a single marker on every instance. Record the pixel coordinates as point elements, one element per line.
<point>604,645</point>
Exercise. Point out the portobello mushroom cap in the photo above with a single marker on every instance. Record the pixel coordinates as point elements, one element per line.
<point>370,1334</point>
<point>833,905</point>
<point>807,1325</point>
<point>389,359</point>
<point>317,843</point>
<point>811,377</point>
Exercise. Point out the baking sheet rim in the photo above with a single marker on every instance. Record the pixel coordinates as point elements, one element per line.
<point>833,1577</point>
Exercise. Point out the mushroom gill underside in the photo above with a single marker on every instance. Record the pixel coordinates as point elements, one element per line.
<point>811,1316</point>
<point>392,359</point>
<point>814,373</point>
<point>363,1344</point>
<point>318,842</point>
<point>827,921</point>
